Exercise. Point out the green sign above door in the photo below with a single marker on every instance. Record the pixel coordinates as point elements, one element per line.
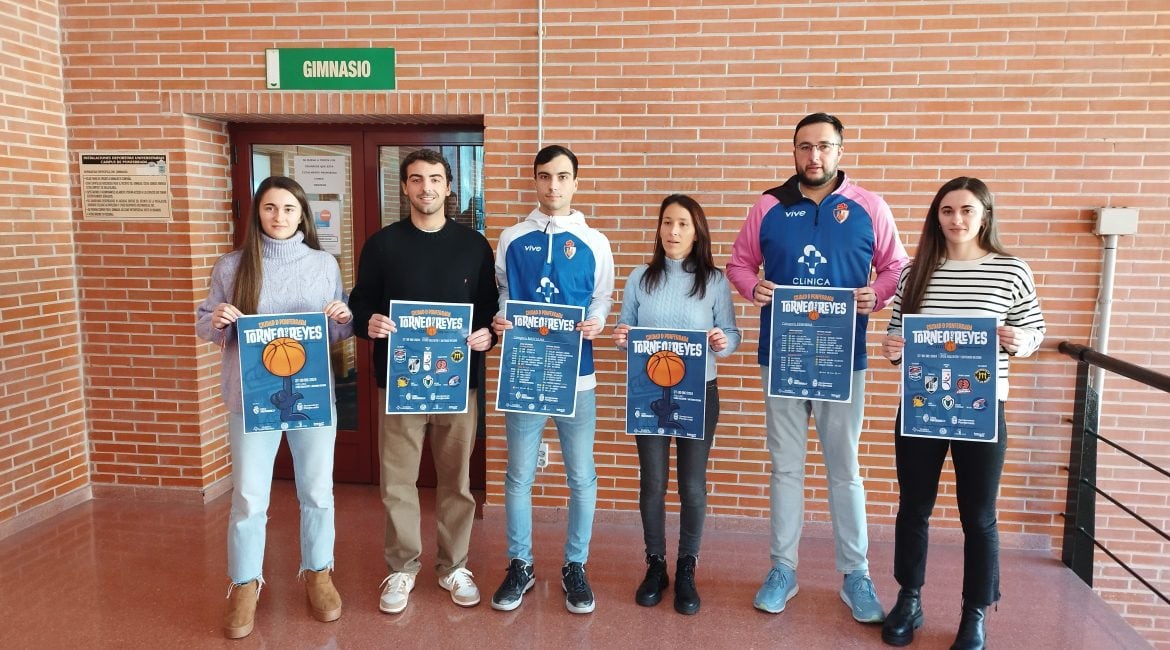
<point>341,68</point>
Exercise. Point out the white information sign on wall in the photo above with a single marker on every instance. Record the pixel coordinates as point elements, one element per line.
<point>328,218</point>
<point>125,185</point>
<point>320,174</point>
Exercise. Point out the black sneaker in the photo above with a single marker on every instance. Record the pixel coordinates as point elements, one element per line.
<point>578,595</point>
<point>520,579</point>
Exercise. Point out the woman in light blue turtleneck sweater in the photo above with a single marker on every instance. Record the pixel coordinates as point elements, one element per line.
<point>280,268</point>
<point>680,288</point>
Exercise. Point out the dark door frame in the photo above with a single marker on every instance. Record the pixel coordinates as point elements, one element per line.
<point>364,141</point>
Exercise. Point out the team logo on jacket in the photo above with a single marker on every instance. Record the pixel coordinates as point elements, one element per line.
<point>546,289</point>
<point>570,249</point>
<point>811,259</point>
<point>841,212</point>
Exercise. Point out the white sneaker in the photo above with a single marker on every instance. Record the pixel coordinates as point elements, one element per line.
<point>396,590</point>
<point>462,587</point>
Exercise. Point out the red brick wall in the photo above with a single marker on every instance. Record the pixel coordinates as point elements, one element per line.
<point>42,415</point>
<point>1061,107</point>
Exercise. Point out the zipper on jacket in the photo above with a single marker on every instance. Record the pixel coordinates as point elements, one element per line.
<point>548,231</point>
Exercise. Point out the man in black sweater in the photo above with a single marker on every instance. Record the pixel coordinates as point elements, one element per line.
<point>427,258</point>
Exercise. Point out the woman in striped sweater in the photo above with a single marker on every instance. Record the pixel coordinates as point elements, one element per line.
<point>960,269</point>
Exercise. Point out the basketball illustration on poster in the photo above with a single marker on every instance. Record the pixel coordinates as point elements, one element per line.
<point>286,377</point>
<point>284,357</point>
<point>665,369</point>
<point>666,382</point>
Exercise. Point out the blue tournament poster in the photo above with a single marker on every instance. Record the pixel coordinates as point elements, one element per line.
<point>812,343</point>
<point>286,379</point>
<point>949,377</point>
<point>430,361</point>
<point>666,382</point>
<point>540,358</point>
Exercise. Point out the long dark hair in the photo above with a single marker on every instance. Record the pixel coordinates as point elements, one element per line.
<point>932,244</point>
<point>699,261</point>
<point>250,273</point>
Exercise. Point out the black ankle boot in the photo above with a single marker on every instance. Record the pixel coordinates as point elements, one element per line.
<point>903,619</point>
<point>650,591</point>
<point>686,597</point>
<point>971,635</point>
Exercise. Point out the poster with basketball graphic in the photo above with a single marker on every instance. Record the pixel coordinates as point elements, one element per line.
<point>430,361</point>
<point>949,377</point>
<point>813,331</point>
<point>539,358</point>
<point>666,382</point>
<point>285,375</point>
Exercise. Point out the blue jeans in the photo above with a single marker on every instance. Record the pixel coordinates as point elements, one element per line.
<point>576,435</point>
<point>253,455</point>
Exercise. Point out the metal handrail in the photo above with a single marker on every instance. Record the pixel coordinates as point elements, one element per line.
<point>1080,511</point>
<point>1116,366</point>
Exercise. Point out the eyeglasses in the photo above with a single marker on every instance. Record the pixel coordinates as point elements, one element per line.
<point>822,147</point>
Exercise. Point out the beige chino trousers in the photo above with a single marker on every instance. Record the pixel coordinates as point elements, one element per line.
<point>400,443</point>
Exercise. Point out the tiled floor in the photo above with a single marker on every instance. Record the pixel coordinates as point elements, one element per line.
<point>118,574</point>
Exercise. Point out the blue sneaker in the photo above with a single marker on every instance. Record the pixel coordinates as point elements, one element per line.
<point>858,593</point>
<point>778,588</point>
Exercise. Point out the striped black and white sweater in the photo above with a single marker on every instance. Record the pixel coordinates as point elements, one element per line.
<point>994,285</point>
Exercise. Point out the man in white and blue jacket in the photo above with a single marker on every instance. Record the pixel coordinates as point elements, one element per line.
<point>554,257</point>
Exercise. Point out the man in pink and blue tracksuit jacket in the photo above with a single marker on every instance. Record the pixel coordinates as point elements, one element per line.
<point>818,229</point>
<point>554,257</point>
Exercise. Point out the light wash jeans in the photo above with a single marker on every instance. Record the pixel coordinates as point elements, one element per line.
<point>838,426</point>
<point>253,455</point>
<point>576,435</point>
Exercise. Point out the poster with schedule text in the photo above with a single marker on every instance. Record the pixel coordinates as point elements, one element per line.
<point>540,357</point>
<point>812,343</point>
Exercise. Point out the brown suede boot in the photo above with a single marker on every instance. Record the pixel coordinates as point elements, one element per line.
<point>323,597</point>
<point>241,611</point>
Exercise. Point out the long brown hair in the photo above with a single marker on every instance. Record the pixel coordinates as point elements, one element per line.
<point>250,273</point>
<point>932,244</point>
<point>699,261</point>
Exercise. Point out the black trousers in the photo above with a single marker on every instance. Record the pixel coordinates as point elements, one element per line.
<point>691,465</point>
<point>978,467</point>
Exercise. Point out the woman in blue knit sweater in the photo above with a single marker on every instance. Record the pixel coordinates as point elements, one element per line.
<point>680,288</point>
<point>280,268</point>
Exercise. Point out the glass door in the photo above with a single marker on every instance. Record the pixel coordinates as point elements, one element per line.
<point>465,205</point>
<point>350,174</point>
